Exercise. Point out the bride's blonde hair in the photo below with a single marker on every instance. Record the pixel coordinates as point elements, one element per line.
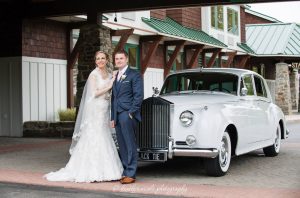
<point>101,52</point>
<point>108,67</point>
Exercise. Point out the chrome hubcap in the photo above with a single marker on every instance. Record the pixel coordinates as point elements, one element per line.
<point>277,140</point>
<point>224,153</point>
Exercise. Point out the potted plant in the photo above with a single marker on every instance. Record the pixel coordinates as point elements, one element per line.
<point>66,123</point>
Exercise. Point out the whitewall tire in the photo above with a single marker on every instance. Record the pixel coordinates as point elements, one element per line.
<point>274,149</point>
<point>219,165</point>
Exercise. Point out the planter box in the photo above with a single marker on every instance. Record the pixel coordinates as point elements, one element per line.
<point>48,129</point>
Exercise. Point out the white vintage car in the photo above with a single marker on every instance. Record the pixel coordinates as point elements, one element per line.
<point>213,113</point>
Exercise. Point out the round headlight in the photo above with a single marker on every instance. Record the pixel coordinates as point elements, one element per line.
<point>186,118</point>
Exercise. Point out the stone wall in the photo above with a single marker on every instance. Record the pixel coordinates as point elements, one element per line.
<point>48,129</point>
<point>95,38</point>
<point>294,78</point>
<point>282,88</point>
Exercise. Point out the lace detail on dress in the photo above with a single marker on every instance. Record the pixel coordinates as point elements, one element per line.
<point>94,156</point>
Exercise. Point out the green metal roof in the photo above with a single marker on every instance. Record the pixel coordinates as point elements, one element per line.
<point>246,48</point>
<point>280,39</point>
<point>171,27</point>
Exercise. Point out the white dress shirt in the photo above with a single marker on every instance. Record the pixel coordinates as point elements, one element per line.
<point>121,72</point>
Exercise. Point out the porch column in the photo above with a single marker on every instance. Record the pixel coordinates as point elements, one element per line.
<point>282,88</point>
<point>294,78</point>
<point>94,38</point>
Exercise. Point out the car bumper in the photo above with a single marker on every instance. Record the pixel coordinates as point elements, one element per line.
<point>165,154</point>
<point>192,152</point>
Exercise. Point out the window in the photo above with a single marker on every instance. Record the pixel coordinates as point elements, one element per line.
<point>217,19</point>
<point>255,69</point>
<point>233,21</point>
<point>259,69</point>
<point>206,81</point>
<point>260,88</point>
<point>247,82</point>
<point>132,55</point>
<point>178,62</point>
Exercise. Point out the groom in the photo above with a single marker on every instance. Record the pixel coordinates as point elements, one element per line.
<point>126,101</point>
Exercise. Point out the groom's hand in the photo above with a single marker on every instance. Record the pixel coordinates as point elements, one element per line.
<point>112,124</point>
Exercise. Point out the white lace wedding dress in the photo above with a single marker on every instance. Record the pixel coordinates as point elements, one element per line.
<point>94,156</point>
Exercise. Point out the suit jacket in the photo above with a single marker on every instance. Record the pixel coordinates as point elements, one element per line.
<point>127,95</point>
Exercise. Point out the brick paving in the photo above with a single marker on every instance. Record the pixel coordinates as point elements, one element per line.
<point>26,160</point>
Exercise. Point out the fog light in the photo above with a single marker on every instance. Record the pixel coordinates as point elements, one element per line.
<point>190,140</point>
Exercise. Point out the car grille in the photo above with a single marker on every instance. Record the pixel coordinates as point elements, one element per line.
<point>154,130</point>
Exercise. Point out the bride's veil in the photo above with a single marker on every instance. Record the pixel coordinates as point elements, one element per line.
<point>87,96</point>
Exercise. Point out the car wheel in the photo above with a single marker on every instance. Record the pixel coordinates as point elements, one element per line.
<point>219,165</point>
<point>274,149</point>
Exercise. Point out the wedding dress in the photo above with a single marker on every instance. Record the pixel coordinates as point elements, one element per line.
<point>94,156</point>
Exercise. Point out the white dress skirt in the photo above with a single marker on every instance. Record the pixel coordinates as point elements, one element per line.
<point>95,156</point>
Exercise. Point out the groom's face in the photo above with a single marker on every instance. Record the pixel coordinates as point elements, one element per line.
<point>121,61</point>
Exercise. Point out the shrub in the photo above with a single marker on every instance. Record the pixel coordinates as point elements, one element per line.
<point>67,115</point>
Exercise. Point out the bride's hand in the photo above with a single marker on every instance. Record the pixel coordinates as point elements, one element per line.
<point>111,81</point>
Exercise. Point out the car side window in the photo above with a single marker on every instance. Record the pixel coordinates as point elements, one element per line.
<point>259,86</point>
<point>247,81</point>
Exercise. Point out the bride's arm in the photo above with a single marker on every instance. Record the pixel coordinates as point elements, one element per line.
<point>98,92</point>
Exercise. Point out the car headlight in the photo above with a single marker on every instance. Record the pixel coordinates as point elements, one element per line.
<point>186,118</point>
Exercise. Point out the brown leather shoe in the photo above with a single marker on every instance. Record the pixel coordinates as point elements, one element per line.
<point>121,178</point>
<point>127,180</point>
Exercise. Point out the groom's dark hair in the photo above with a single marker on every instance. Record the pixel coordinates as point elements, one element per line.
<point>122,51</point>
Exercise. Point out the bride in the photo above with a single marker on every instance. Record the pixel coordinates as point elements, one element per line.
<point>94,156</point>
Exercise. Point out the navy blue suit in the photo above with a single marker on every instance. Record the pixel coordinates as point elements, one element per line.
<point>127,97</point>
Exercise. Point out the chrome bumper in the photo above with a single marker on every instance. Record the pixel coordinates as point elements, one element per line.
<point>165,154</point>
<point>191,152</point>
<point>195,152</point>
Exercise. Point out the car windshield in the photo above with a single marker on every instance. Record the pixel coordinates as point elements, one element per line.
<point>200,81</point>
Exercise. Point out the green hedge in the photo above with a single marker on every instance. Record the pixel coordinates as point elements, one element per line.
<point>67,115</point>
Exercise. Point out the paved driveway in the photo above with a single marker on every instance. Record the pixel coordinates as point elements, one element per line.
<point>26,160</point>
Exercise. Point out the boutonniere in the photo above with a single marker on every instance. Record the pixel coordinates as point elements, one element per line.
<point>123,77</point>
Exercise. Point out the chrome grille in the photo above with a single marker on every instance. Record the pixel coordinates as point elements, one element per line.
<point>154,130</point>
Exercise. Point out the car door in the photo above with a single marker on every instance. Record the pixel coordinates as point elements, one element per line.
<point>263,103</point>
<point>249,123</point>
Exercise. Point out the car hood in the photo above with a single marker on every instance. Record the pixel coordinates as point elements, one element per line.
<point>199,98</point>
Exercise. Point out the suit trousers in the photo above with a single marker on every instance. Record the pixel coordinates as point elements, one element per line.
<point>126,130</point>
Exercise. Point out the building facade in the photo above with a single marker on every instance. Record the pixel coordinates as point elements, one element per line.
<point>41,79</point>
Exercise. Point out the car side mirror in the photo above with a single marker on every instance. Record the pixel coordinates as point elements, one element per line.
<point>244,91</point>
<point>155,91</point>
